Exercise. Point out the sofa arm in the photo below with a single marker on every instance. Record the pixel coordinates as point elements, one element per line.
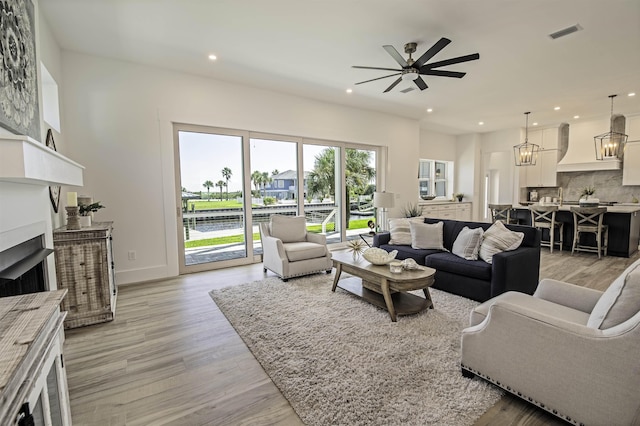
<point>381,238</point>
<point>317,238</point>
<point>569,295</point>
<point>516,270</point>
<point>272,250</point>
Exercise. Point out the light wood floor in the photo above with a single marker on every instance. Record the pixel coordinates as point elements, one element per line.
<point>171,357</point>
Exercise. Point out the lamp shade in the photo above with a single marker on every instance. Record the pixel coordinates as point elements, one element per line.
<point>383,200</point>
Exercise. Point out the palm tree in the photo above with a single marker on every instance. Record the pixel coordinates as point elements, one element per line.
<point>264,181</point>
<point>208,184</point>
<point>256,179</point>
<point>220,184</point>
<point>226,174</point>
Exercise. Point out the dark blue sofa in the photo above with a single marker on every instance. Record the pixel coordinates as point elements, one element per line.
<point>516,270</point>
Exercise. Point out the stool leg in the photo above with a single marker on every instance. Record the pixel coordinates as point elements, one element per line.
<point>575,239</point>
<point>561,230</point>
<point>551,229</point>
<point>599,242</point>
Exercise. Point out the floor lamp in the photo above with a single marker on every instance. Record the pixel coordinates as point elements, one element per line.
<point>383,201</point>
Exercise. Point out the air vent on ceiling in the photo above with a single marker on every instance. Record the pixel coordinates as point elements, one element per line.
<point>565,31</point>
<point>407,90</point>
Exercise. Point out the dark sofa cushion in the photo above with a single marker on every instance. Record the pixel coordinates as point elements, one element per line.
<point>449,262</point>
<point>406,252</point>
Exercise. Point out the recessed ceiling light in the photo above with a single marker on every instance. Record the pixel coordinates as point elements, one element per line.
<point>631,94</point>
<point>481,123</point>
<point>576,116</point>
<point>212,57</point>
<point>429,109</point>
<point>556,108</point>
<point>349,90</point>
<point>535,124</point>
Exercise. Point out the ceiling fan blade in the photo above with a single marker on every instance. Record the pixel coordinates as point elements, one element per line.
<point>443,73</point>
<point>420,83</point>
<point>379,78</point>
<point>375,68</point>
<point>440,44</point>
<point>452,61</point>
<point>394,53</point>
<point>394,84</point>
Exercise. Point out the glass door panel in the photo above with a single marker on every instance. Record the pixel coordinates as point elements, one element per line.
<point>274,182</point>
<point>360,179</point>
<point>211,178</point>
<point>322,190</point>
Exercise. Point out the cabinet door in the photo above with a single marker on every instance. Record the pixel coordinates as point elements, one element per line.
<point>631,167</point>
<point>548,167</point>
<point>463,212</point>
<point>533,172</point>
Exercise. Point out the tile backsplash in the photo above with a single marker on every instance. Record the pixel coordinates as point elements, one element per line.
<point>607,183</point>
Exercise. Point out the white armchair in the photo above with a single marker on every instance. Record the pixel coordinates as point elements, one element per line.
<point>568,349</point>
<point>288,250</point>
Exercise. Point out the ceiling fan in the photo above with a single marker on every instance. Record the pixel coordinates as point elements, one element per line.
<point>412,70</point>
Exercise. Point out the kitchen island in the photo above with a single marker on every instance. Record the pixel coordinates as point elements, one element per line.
<point>623,221</point>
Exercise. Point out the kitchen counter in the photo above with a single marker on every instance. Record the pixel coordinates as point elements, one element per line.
<point>623,221</point>
<point>617,208</point>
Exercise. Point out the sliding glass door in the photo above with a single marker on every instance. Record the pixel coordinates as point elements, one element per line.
<point>224,174</point>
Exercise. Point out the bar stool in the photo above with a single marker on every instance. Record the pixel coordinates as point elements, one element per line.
<point>589,220</point>
<point>544,217</point>
<point>501,212</point>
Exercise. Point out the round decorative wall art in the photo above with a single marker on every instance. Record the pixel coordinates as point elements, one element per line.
<point>54,191</point>
<point>19,111</point>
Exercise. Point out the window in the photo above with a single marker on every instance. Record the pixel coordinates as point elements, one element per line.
<point>435,178</point>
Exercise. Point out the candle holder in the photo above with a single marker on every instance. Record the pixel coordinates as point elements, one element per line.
<point>73,223</point>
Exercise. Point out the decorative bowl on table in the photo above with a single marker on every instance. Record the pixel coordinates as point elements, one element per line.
<point>378,256</point>
<point>427,197</point>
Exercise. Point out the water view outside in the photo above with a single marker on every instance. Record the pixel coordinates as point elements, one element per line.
<point>211,178</point>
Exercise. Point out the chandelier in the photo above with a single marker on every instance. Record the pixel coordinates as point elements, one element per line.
<point>610,145</point>
<point>526,153</point>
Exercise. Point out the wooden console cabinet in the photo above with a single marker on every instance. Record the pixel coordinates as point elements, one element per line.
<point>84,266</point>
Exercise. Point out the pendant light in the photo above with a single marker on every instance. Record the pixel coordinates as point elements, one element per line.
<point>526,153</point>
<point>610,145</point>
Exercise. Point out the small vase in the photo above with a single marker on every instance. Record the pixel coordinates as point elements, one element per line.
<point>85,221</point>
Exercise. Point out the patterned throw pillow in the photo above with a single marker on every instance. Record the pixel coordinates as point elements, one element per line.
<point>427,236</point>
<point>400,232</point>
<point>498,239</point>
<point>619,302</point>
<point>467,243</point>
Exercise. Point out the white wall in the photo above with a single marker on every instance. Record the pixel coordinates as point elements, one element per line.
<point>118,123</point>
<point>468,170</point>
<point>437,146</point>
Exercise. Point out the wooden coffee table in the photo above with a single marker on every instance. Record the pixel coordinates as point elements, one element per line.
<point>379,286</point>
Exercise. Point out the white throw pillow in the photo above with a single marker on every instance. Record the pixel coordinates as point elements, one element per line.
<point>400,232</point>
<point>467,243</point>
<point>498,239</point>
<point>427,236</point>
<point>619,302</point>
<point>289,229</point>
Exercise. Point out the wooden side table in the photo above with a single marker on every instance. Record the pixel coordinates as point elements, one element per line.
<point>84,266</point>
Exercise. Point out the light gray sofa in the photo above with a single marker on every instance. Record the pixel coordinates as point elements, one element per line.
<point>288,250</point>
<point>570,350</point>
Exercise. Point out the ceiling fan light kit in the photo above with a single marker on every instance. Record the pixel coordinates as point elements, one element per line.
<point>412,70</point>
<point>526,153</point>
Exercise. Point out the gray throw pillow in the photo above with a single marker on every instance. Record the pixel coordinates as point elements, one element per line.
<point>467,243</point>
<point>400,232</point>
<point>619,302</point>
<point>498,239</point>
<point>427,236</point>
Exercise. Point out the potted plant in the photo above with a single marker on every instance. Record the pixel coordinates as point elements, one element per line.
<point>86,211</point>
<point>459,196</point>
<point>586,197</point>
<point>411,210</point>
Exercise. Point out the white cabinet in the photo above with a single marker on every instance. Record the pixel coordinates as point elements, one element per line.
<point>544,173</point>
<point>453,211</point>
<point>550,138</point>
<point>631,167</point>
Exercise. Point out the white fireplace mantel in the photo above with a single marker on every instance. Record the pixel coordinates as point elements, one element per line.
<point>24,160</point>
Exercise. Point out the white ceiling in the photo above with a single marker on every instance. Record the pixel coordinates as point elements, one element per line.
<point>307,48</point>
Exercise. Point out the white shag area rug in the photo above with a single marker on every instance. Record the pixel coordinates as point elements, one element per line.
<point>341,361</point>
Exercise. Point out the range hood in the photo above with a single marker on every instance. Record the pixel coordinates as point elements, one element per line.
<point>580,151</point>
